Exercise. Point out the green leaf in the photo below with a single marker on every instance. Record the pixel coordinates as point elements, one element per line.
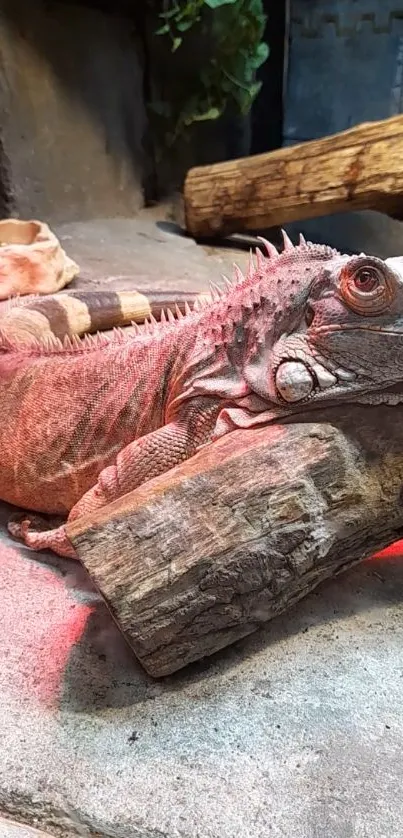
<point>162,30</point>
<point>214,4</point>
<point>261,55</point>
<point>247,97</point>
<point>235,29</point>
<point>255,8</point>
<point>212,113</point>
<point>170,13</point>
<point>184,25</point>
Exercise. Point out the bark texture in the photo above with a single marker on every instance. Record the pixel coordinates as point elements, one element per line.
<point>361,168</point>
<point>203,555</point>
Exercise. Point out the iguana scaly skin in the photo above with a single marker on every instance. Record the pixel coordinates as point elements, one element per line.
<point>85,421</point>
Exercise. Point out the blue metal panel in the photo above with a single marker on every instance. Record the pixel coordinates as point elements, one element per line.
<point>345,67</point>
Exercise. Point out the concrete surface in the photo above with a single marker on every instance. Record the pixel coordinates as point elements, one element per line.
<point>72,111</point>
<point>295,731</point>
<point>148,251</point>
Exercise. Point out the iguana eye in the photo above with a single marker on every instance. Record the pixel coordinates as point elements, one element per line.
<point>367,288</point>
<point>367,279</point>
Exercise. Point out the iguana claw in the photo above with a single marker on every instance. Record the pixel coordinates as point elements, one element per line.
<point>38,538</point>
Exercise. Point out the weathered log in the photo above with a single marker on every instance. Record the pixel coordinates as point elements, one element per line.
<point>361,168</point>
<point>203,555</point>
<point>12,829</point>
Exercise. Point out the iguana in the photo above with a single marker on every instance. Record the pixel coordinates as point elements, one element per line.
<point>84,421</point>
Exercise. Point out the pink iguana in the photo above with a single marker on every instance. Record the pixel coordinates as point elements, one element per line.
<point>86,421</point>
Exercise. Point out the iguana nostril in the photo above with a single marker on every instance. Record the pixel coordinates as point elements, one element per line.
<point>294,382</point>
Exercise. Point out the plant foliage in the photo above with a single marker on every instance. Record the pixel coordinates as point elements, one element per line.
<point>227,77</point>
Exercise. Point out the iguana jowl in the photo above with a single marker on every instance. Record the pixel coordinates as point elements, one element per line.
<point>86,421</point>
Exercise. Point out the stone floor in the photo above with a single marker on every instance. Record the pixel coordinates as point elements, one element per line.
<point>295,731</point>
<point>145,253</point>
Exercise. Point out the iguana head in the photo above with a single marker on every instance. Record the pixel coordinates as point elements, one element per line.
<point>323,326</point>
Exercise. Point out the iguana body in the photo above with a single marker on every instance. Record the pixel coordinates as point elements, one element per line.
<point>86,422</point>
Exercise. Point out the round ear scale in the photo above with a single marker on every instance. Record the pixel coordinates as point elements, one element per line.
<point>367,286</point>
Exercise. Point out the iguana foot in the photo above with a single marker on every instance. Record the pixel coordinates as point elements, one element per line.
<point>33,533</point>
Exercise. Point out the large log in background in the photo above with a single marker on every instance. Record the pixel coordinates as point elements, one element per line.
<point>361,168</point>
<point>205,554</point>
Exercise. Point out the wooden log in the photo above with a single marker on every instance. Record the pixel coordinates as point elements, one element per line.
<point>203,555</point>
<point>361,168</point>
<point>12,829</point>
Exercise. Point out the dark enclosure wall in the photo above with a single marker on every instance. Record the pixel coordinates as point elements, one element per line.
<point>75,81</point>
<point>72,112</point>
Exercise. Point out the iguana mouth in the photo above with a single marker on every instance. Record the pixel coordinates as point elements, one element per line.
<point>391,395</point>
<point>356,328</point>
<point>300,383</point>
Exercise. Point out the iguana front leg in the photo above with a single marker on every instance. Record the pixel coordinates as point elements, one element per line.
<point>140,461</point>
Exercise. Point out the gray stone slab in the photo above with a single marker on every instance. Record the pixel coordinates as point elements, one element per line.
<point>148,251</point>
<point>296,731</point>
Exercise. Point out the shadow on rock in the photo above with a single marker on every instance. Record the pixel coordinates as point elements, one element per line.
<point>103,672</point>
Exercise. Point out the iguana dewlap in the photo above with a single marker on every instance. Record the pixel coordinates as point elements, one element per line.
<point>86,421</point>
